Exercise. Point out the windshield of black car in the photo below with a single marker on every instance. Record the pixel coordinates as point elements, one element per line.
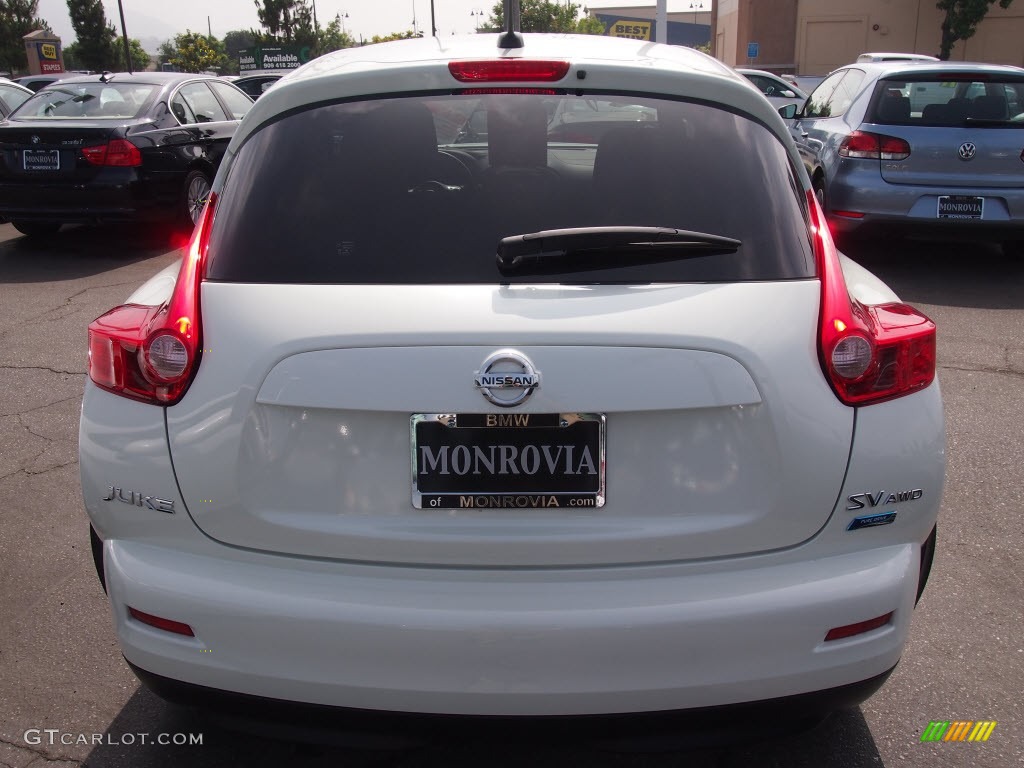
<point>949,100</point>
<point>422,189</point>
<point>76,101</point>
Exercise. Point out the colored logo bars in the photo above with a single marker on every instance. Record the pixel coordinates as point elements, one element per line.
<point>958,730</point>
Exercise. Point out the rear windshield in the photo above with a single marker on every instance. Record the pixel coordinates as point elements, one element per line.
<point>74,101</point>
<point>423,189</point>
<point>963,100</point>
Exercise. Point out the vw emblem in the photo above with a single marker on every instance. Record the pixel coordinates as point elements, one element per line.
<point>34,139</point>
<point>967,150</point>
<point>507,378</point>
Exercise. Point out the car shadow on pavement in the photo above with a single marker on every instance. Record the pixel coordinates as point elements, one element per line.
<point>148,733</point>
<point>81,251</point>
<point>956,274</point>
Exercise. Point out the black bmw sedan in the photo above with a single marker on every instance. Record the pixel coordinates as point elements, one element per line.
<point>116,147</point>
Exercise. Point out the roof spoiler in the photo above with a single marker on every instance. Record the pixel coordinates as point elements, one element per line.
<point>511,38</point>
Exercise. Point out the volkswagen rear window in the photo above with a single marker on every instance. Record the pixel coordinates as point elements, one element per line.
<point>951,101</point>
<point>422,189</point>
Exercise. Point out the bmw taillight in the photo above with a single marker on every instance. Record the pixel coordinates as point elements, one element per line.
<point>874,146</point>
<point>151,353</point>
<point>869,353</point>
<point>116,152</point>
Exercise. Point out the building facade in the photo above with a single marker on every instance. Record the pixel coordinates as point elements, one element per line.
<point>813,37</point>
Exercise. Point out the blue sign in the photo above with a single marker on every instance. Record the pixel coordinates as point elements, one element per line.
<point>752,49</point>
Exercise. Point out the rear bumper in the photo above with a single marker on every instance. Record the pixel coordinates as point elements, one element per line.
<point>117,194</point>
<point>511,643</point>
<point>709,726</point>
<point>911,209</point>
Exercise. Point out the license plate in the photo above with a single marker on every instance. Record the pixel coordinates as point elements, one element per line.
<point>41,160</point>
<point>508,460</point>
<point>961,207</point>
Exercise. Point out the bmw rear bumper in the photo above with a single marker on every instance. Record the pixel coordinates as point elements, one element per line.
<point>511,643</point>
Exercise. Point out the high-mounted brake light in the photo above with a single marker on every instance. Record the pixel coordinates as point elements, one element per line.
<point>508,71</point>
<point>117,152</point>
<point>874,146</point>
<point>868,353</point>
<point>151,353</point>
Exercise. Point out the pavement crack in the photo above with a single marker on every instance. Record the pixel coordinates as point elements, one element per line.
<point>36,473</point>
<point>41,407</point>
<point>39,368</point>
<point>982,369</point>
<point>36,751</point>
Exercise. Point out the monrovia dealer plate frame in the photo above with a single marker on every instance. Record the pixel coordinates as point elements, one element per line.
<point>507,460</point>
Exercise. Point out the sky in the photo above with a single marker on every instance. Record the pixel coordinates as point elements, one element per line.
<point>165,18</point>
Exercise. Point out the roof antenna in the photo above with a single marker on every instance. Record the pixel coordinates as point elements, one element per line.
<point>511,37</point>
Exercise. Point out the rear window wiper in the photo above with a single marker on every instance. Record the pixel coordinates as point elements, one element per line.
<point>603,247</point>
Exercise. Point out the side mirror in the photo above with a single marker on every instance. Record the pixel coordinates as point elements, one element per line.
<point>788,112</point>
<point>787,94</point>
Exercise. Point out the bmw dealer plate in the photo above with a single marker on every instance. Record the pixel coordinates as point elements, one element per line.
<point>961,207</point>
<point>41,160</point>
<point>507,460</point>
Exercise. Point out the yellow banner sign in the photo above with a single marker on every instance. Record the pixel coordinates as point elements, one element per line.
<point>637,29</point>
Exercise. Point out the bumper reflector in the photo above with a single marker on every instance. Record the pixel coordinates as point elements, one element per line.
<point>165,624</point>
<point>849,630</point>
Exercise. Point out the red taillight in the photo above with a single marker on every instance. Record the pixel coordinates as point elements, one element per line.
<point>869,353</point>
<point>167,625</point>
<point>151,354</point>
<point>117,152</point>
<point>508,70</point>
<point>874,146</point>
<point>849,630</point>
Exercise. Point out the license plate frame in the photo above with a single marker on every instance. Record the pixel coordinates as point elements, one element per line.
<point>32,160</point>
<point>975,207</point>
<point>560,460</point>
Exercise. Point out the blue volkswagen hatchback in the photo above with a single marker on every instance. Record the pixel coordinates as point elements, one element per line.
<point>928,149</point>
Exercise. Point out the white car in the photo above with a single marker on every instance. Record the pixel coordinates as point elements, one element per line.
<point>439,421</point>
<point>778,91</point>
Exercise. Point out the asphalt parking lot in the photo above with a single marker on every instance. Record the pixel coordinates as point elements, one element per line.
<point>67,698</point>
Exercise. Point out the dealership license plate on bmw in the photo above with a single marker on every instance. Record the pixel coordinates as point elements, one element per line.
<point>961,207</point>
<point>41,160</point>
<point>508,460</point>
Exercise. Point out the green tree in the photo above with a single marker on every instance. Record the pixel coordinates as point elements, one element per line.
<point>960,20</point>
<point>332,38</point>
<point>544,16</point>
<point>589,25</point>
<point>193,52</point>
<point>96,39</point>
<point>407,35</point>
<point>286,21</point>
<point>140,59</point>
<point>17,19</point>
<point>234,43</point>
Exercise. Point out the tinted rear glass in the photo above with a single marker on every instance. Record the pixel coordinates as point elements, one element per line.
<point>422,189</point>
<point>947,101</point>
<point>67,101</point>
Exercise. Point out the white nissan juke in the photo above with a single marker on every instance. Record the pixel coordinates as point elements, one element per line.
<point>513,376</point>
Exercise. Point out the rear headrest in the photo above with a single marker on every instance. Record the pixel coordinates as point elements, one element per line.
<point>517,133</point>
<point>894,109</point>
<point>988,107</point>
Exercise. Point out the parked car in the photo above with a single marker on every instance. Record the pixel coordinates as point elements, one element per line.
<point>778,91</point>
<point>877,58</point>
<point>513,426</point>
<point>255,85</point>
<point>116,148</point>
<point>12,96</point>
<point>37,82</point>
<point>926,149</point>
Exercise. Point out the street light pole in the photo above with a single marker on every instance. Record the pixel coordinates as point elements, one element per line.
<point>124,33</point>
